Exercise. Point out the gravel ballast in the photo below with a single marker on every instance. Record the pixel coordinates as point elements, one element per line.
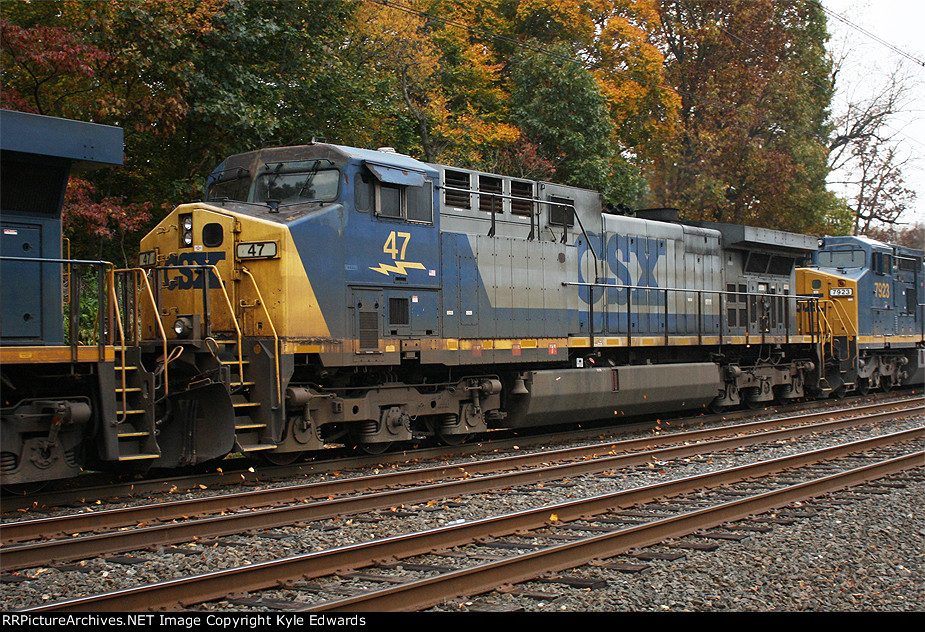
<point>859,552</point>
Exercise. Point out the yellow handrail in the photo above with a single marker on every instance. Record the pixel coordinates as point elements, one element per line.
<point>234,320</point>
<point>843,317</point>
<point>140,272</point>
<point>279,387</point>
<point>114,302</point>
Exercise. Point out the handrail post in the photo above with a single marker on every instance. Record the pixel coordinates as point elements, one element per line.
<point>279,391</point>
<point>699,317</point>
<point>666,317</point>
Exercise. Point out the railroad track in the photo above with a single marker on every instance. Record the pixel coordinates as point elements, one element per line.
<point>238,472</point>
<point>226,514</point>
<point>476,477</point>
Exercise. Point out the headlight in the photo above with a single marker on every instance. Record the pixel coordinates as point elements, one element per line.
<point>183,327</point>
<point>186,231</point>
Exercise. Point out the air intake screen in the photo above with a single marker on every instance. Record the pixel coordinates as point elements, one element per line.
<point>369,330</point>
<point>398,311</point>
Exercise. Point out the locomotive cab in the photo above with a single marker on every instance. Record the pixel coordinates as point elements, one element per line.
<point>870,300</point>
<point>302,261</point>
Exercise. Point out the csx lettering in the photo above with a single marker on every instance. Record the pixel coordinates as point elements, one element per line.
<point>191,278</point>
<point>619,253</point>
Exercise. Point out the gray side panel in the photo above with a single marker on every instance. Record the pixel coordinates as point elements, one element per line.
<point>571,395</point>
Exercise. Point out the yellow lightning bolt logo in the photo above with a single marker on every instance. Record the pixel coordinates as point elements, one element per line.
<point>391,247</point>
<point>400,267</point>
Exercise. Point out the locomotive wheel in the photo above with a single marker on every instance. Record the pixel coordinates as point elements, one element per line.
<point>718,409</point>
<point>886,383</point>
<point>281,458</point>
<point>751,403</point>
<point>863,385</point>
<point>375,448</point>
<point>452,439</point>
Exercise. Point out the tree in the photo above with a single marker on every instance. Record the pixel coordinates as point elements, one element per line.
<point>751,141</point>
<point>54,67</point>
<point>189,81</point>
<point>560,108</point>
<point>866,158</point>
<point>460,69</point>
<point>912,237</point>
<point>879,193</point>
<point>448,81</point>
<point>611,41</point>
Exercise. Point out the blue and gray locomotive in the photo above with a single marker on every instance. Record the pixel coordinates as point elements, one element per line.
<point>348,295</point>
<point>327,295</point>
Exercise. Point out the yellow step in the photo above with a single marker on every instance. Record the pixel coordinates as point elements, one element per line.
<point>252,426</point>
<point>139,457</point>
<point>132,435</point>
<point>257,447</point>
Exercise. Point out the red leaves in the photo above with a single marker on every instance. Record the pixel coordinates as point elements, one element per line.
<point>53,64</point>
<point>87,212</point>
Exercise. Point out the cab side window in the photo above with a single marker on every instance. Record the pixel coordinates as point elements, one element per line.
<point>882,263</point>
<point>394,193</point>
<point>411,203</point>
<point>389,200</point>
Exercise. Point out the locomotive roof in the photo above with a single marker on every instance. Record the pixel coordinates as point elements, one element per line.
<point>746,237</point>
<point>386,157</point>
<point>325,150</point>
<point>86,144</point>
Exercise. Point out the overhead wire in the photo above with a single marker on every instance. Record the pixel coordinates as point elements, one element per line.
<point>877,39</point>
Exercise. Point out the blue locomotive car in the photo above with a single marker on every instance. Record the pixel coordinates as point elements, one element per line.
<point>63,402</point>
<point>872,300</point>
<point>326,295</point>
<point>349,295</point>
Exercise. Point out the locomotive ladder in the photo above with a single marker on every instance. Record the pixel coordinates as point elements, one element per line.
<point>827,339</point>
<point>134,385</point>
<point>252,434</point>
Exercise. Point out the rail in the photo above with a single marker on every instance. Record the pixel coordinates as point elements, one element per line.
<point>186,591</point>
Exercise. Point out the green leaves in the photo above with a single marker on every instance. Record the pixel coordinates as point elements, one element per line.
<point>560,109</point>
<point>717,108</point>
<point>751,144</point>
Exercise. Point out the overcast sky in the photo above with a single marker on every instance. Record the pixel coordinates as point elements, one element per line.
<point>900,23</point>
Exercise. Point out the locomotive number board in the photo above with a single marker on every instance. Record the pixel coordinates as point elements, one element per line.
<point>256,250</point>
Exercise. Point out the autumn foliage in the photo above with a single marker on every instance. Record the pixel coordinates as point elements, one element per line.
<point>718,108</point>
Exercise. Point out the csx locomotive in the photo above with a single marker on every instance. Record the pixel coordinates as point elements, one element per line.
<point>326,295</point>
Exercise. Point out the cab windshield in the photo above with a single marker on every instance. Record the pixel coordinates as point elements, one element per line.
<point>292,184</point>
<point>853,258</point>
